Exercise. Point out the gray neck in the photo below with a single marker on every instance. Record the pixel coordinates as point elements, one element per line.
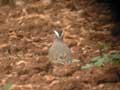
<point>58,39</point>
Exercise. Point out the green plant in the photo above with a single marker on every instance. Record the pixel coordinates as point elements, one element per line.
<point>103,58</point>
<point>103,47</point>
<point>8,86</point>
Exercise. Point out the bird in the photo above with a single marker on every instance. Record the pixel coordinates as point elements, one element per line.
<point>59,52</point>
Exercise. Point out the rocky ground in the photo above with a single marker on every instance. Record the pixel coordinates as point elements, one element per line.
<point>26,33</point>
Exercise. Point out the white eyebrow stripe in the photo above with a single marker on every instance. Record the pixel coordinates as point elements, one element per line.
<point>56,33</point>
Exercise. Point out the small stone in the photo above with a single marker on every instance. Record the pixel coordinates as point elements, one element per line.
<point>49,78</point>
<point>45,50</point>
<point>101,86</point>
<point>75,49</point>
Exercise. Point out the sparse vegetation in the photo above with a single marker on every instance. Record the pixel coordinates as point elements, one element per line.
<point>104,57</point>
<point>26,34</point>
<point>8,86</point>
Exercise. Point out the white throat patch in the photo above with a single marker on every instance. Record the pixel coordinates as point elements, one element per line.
<point>56,33</point>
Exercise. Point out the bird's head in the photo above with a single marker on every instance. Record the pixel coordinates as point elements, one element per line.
<point>59,35</point>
